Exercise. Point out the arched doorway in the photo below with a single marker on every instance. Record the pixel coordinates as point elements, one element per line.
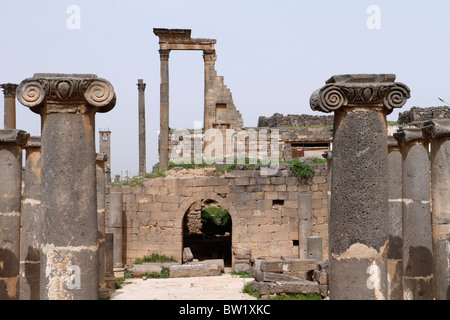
<point>207,228</point>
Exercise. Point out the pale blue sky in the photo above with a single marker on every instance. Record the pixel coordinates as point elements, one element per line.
<point>272,54</point>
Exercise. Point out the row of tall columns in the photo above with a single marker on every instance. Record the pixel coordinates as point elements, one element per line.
<point>358,219</point>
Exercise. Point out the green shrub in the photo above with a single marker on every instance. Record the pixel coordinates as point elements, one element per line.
<point>319,160</point>
<point>301,169</point>
<point>211,214</point>
<point>165,273</point>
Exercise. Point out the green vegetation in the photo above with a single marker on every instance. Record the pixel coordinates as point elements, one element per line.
<point>154,257</point>
<point>212,214</point>
<point>165,273</point>
<point>319,160</point>
<point>242,274</point>
<point>159,173</point>
<point>301,169</point>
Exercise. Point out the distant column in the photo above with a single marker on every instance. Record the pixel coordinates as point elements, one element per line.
<point>439,133</point>
<point>100,168</point>
<point>11,144</point>
<point>304,223</point>
<point>67,104</point>
<point>105,148</point>
<point>358,231</point>
<point>142,155</point>
<point>116,227</point>
<point>395,251</point>
<point>9,90</point>
<point>31,221</point>
<point>164,112</point>
<point>209,114</point>
<point>109,262</point>
<point>418,278</point>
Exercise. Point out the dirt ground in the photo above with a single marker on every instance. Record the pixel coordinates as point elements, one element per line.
<point>224,287</point>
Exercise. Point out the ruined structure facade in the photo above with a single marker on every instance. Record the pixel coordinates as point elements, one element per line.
<point>416,114</point>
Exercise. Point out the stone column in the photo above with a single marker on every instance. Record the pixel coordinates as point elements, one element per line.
<point>418,278</point>
<point>105,148</point>
<point>439,132</point>
<point>67,104</point>
<point>395,251</point>
<point>116,227</point>
<point>304,223</point>
<point>314,248</point>
<point>329,156</point>
<point>109,262</point>
<point>164,112</point>
<point>209,114</point>
<point>9,90</point>
<point>100,172</point>
<point>11,144</point>
<point>358,231</point>
<point>142,155</point>
<point>31,220</point>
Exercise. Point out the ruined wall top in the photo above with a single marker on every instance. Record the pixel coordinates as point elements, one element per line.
<point>416,114</point>
<point>295,120</point>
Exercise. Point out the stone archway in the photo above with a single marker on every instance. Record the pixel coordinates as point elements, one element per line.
<point>204,242</point>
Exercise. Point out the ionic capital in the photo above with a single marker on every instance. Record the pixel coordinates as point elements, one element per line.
<point>9,89</point>
<point>360,90</point>
<point>68,93</point>
<point>141,85</point>
<point>437,128</point>
<point>164,54</point>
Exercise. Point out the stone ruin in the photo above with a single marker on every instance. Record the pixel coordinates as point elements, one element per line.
<point>373,222</point>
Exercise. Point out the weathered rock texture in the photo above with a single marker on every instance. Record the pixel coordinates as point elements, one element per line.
<point>416,114</point>
<point>295,120</point>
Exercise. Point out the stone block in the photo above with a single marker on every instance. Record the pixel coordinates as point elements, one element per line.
<point>138,270</point>
<point>240,267</point>
<point>219,262</point>
<point>302,287</point>
<point>187,254</point>
<point>196,270</point>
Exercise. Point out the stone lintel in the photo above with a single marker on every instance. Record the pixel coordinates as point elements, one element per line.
<point>74,93</point>
<point>9,89</point>
<point>437,128</point>
<point>180,39</point>
<point>409,135</point>
<point>392,142</point>
<point>101,157</point>
<point>14,137</point>
<point>33,142</point>
<point>360,90</point>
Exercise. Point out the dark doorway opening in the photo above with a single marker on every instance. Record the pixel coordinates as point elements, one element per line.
<point>207,231</point>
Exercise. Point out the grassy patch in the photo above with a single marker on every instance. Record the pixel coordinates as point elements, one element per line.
<point>154,257</point>
<point>241,274</point>
<point>165,273</point>
<point>301,169</point>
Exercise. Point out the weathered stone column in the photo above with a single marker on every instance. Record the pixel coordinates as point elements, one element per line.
<point>395,251</point>
<point>164,110</point>
<point>304,223</point>
<point>11,144</point>
<point>358,231</point>
<point>418,278</point>
<point>9,90</point>
<point>31,220</point>
<point>109,262</point>
<point>329,156</point>
<point>105,148</point>
<point>100,172</point>
<point>209,57</point>
<point>439,132</point>
<point>67,104</point>
<point>142,155</point>
<point>116,226</point>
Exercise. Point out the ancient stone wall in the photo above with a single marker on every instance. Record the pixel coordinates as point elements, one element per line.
<point>423,114</point>
<point>264,211</point>
<point>294,120</point>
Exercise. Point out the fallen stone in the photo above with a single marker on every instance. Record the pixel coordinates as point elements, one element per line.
<point>187,255</point>
<point>241,267</point>
<point>219,262</point>
<point>290,266</point>
<point>302,287</point>
<point>196,270</point>
<point>274,277</point>
<point>138,270</point>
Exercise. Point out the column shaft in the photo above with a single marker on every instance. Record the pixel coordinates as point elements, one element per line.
<point>304,223</point>
<point>164,111</point>
<point>9,90</point>
<point>100,173</point>
<point>11,143</point>
<point>116,226</point>
<point>142,152</point>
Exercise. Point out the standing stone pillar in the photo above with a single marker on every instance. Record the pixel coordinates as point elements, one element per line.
<point>109,262</point>
<point>31,220</point>
<point>100,172</point>
<point>304,223</point>
<point>329,156</point>
<point>67,104</point>
<point>116,226</point>
<point>439,132</point>
<point>418,278</point>
<point>9,90</point>
<point>395,251</point>
<point>209,114</point>
<point>11,144</point>
<point>105,148</point>
<point>164,110</point>
<point>142,155</point>
<point>358,231</point>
